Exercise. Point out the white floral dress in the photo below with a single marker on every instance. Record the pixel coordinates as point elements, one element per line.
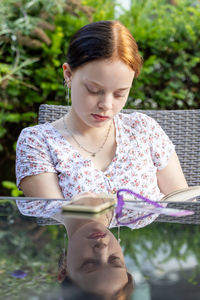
<point>143,148</point>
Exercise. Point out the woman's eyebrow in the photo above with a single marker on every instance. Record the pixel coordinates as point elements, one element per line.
<point>93,82</point>
<point>97,268</point>
<point>99,85</point>
<point>123,89</point>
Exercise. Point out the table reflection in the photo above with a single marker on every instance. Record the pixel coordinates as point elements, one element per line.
<point>94,260</point>
<point>159,261</point>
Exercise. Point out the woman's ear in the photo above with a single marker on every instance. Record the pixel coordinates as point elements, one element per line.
<point>67,73</point>
<point>62,273</point>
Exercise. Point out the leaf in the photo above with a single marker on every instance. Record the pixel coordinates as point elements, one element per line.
<point>16,193</point>
<point>2,131</point>
<point>195,78</point>
<point>13,118</point>
<point>8,184</point>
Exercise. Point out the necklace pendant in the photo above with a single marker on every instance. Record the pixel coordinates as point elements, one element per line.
<point>93,154</point>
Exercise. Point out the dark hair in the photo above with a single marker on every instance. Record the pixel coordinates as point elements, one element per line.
<point>71,291</point>
<point>104,40</point>
<point>69,286</point>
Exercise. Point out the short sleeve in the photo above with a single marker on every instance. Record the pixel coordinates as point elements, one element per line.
<point>40,208</point>
<point>32,154</point>
<point>161,146</point>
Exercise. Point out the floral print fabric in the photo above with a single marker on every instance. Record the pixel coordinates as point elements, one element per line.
<point>143,148</point>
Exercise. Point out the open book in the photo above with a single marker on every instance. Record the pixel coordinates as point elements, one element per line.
<point>182,195</point>
<point>101,202</point>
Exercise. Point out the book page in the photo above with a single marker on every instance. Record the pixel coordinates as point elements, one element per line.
<point>187,194</point>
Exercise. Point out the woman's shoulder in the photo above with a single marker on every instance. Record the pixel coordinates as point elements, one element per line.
<point>37,130</point>
<point>136,119</point>
<point>35,133</point>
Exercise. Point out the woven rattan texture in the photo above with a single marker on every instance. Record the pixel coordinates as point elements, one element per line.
<point>183,128</point>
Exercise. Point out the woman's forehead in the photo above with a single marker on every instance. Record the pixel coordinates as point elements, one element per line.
<point>105,280</point>
<point>105,64</point>
<point>102,74</point>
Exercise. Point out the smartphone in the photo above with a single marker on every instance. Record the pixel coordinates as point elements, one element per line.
<point>91,205</point>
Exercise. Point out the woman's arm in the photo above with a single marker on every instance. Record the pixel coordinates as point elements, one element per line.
<point>36,173</point>
<point>171,178</point>
<point>44,185</point>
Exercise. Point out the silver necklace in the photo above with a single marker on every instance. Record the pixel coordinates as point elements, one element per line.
<point>118,234</point>
<point>80,146</point>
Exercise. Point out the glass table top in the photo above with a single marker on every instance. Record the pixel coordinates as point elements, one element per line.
<point>41,261</point>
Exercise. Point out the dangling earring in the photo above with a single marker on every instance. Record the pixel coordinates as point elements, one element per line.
<point>64,245</point>
<point>66,84</point>
<point>118,234</point>
<point>67,96</point>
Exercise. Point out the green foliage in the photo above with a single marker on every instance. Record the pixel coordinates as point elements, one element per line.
<point>169,41</point>
<point>12,187</point>
<point>176,241</point>
<point>34,36</point>
<point>29,248</point>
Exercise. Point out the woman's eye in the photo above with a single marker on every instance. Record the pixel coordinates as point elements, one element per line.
<point>116,261</point>
<point>114,258</point>
<point>89,266</point>
<point>119,95</point>
<point>89,263</point>
<point>92,91</point>
<point>98,92</point>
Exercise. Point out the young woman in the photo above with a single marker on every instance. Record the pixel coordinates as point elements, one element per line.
<point>95,148</point>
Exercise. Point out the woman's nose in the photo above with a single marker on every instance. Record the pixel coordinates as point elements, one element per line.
<point>100,246</point>
<point>106,102</point>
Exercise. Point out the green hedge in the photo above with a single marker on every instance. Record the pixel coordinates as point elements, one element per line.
<point>169,40</point>
<point>34,36</point>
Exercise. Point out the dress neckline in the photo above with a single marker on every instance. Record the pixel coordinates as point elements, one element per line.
<point>78,154</point>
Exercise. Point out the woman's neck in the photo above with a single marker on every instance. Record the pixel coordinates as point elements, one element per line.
<point>78,127</point>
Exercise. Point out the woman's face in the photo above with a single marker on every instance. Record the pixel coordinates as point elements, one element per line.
<point>99,90</point>
<point>95,260</point>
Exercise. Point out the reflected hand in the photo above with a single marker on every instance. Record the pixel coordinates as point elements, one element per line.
<point>89,198</point>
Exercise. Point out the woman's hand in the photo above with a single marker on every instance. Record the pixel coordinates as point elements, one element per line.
<point>91,199</point>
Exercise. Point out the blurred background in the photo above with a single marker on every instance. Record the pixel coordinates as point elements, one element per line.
<point>34,36</point>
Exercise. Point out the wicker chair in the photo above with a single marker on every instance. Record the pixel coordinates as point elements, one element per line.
<point>183,128</point>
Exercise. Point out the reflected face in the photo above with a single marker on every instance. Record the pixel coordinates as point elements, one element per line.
<point>99,90</point>
<point>95,260</point>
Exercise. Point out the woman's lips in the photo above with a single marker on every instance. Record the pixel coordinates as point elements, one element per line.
<point>99,117</point>
<point>97,235</point>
